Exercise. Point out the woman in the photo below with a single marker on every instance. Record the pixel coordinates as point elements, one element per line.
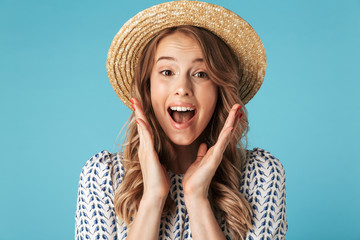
<point>184,173</point>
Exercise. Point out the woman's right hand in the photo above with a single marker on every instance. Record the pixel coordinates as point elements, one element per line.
<point>155,177</point>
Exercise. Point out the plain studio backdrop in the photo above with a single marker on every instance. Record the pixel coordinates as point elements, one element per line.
<point>58,108</point>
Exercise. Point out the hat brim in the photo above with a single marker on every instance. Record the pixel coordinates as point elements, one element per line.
<point>129,43</point>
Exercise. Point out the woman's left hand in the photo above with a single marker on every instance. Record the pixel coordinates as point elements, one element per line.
<point>197,179</point>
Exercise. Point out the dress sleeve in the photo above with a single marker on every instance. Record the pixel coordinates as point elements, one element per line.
<point>263,185</point>
<point>95,216</point>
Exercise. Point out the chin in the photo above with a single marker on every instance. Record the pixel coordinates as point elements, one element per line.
<point>181,141</point>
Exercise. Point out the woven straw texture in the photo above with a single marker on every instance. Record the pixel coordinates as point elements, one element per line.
<point>129,43</point>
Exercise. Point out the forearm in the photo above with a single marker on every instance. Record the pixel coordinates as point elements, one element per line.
<point>202,220</point>
<point>147,221</point>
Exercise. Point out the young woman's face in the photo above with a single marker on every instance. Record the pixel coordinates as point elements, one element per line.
<point>182,95</point>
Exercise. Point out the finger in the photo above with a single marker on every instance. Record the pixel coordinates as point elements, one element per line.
<point>139,111</point>
<point>145,133</point>
<point>201,152</point>
<point>231,120</point>
<point>146,146</point>
<point>229,126</point>
<point>232,116</point>
<point>239,114</point>
<point>140,115</point>
<point>223,142</point>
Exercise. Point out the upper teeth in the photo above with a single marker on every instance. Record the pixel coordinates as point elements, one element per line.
<point>182,109</point>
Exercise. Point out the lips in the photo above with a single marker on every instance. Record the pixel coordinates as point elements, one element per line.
<point>181,115</point>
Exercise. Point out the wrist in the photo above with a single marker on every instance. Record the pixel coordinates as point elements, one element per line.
<point>151,201</point>
<point>195,201</point>
<point>199,195</point>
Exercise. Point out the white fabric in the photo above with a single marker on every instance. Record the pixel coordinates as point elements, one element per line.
<point>262,184</point>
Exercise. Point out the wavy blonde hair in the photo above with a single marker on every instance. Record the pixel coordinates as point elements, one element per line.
<point>224,195</point>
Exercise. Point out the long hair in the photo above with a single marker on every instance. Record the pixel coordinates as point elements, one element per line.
<point>224,195</point>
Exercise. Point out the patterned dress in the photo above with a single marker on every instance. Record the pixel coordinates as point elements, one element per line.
<point>263,185</point>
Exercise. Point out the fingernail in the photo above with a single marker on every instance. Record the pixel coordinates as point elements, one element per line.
<point>237,110</point>
<point>240,115</point>
<point>133,106</point>
<point>132,100</point>
<point>136,121</point>
<point>232,129</point>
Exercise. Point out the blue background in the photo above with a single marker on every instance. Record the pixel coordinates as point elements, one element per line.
<point>58,108</point>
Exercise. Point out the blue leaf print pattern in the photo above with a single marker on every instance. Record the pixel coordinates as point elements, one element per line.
<point>262,184</point>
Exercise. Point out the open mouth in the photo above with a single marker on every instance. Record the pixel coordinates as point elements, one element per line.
<point>181,114</point>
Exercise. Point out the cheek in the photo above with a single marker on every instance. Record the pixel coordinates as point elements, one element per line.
<point>153,89</point>
<point>209,96</point>
<point>157,91</point>
<point>158,95</point>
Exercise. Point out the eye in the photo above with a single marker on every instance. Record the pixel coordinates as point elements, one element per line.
<point>166,72</point>
<point>201,75</point>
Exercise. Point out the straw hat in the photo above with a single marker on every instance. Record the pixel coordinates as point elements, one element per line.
<point>129,43</point>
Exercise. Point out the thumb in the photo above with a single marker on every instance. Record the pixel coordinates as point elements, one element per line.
<point>201,152</point>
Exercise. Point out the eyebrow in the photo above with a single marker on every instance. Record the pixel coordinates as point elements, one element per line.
<point>174,59</point>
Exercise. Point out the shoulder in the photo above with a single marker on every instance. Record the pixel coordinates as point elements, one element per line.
<point>95,213</point>
<point>263,161</point>
<point>262,169</point>
<point>102,162</point>
<point>103,170</point>
<point>263,185</point>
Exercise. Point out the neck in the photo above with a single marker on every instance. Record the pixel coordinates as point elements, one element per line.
<point>184,156</point>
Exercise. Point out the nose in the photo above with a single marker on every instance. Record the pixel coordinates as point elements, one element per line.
<point>183,86</point>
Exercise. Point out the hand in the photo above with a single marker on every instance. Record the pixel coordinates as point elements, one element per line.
<point>197,179</point>
<point>155,177</point>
